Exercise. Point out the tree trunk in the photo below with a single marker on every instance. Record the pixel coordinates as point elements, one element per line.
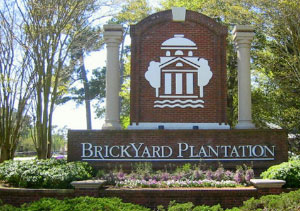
<point>5,153</point>
<point>49,153</point>
<point>86,93</point>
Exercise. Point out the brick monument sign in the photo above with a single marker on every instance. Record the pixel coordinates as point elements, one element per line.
<point>178,99</point>
<point>178,72</point>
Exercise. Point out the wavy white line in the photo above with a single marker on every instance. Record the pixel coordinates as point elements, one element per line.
<point>179,101</point>
<point>178,105</point>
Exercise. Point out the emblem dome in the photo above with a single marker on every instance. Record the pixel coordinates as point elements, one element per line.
<point>178,40</point>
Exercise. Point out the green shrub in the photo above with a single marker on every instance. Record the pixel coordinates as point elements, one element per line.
<point>81,204</point>
<point>189,206</point>
<point>8,207</point>
<point>51,173</point>
<point>284,201</point>
<point>288,171</point>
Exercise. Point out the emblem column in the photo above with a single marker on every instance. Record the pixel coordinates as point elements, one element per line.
<point>112,37</point>
<point>243,35</point>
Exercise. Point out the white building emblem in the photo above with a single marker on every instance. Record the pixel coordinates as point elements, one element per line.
<point>179,78</point>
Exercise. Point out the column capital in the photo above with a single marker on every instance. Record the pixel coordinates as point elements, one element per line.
<point>243,34</point>
<point>113,33</point>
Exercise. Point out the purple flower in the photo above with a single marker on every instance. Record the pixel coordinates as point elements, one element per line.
<point>176,177</point>
<point>249,175</point>
<point>209,175</point>
<point>133,176</point>
<point>121,176</point>
<point>198,175</point>
<point>219,174</point>
<point>239,176</point>
<point>165,176</point>
<point>59,157</point>
<point>229,175</point>
<point>146,176</point>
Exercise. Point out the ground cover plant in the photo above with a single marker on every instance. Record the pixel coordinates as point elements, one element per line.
<point>185,176</point>
<point>288,171</point>
<point>50,173</point>
<point>284,201</point>
<point>77,204</point>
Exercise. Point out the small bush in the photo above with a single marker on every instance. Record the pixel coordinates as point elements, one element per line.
<point>288,171</point>
<point>293,156</point>
<point>77,204</point>
<point>284,201</point>
<point>189,206</point>
<point>51,173</point>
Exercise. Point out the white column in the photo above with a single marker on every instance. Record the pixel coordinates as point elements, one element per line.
<point>243,35</point>
<point>112,37</point>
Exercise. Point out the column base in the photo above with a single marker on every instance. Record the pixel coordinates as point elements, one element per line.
<point>245,124</point>
<point>111,125</point>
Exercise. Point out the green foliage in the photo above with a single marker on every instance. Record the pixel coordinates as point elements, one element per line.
<point>187,167</point>
<point>96,88</point>
<point>180,207</point>
<point>59,141</point>
<point>77,204</point>
<point>133,11</point>
<point>51,173</point>
<point>288,171</point>
<point>189,206</point>
<point>293,156</point>
<point>284,201</point>
<point>26,144</point>
<point>142,168</point>
<point>8,207</point>
<point>125,96</point>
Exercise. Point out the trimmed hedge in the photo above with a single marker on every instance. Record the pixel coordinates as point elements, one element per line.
<point>288,171</point>
<point>77,204</point>
<point>50,173</point>
<point>284,201</point>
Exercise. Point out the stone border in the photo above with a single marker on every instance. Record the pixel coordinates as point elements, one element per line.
<point>267,183</point>
<point>86,184</point>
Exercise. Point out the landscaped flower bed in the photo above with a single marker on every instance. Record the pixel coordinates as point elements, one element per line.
<point>58,174</point>
<point>185,176</point>
<point>175,183</point>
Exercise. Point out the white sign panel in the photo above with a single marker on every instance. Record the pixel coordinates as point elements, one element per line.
<point>182,152</point>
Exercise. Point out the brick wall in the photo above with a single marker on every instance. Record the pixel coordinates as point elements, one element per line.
<point>19,196</point>
<point>147,37</point>
<point>149,197</point>
<point>197,138</point>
